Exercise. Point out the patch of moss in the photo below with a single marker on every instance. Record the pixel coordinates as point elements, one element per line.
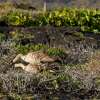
<point>2,37</point>
<point>55,52</point>
<point>51,51</point>
<point>79,34</point>
<point>27,48</point>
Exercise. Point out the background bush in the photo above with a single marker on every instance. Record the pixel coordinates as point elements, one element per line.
<point>86,19</point>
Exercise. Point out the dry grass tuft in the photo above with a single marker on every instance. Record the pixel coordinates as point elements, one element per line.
<point>93,66</point>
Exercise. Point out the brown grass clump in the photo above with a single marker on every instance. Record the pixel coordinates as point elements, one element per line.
<point>93,66</point>
<point>5,8</point>
<point>86,73</point>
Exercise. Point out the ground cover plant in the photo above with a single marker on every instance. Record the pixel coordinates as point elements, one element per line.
<point>87,19</point>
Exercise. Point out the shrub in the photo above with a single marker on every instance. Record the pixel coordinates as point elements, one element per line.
<point>55,52</point>
<point>19,18</point>
<point>2,37</point>
<point>51,51</point>
<point>79,34</point>
<point>86,19</point>
<point>25,49</point>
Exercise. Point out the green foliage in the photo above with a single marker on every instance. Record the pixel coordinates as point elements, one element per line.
<point>19,18</point>
<point>51,51</point>
<point>79,34</point>
<point>2,37</point>
<point>55,52</point>
<point>86,19</point>
<point>25,49</point>
<point>13,96</point>
<point>41,20</point>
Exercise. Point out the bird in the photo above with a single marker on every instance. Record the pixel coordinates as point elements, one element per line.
<point>34,69</point>
<point>34,57</point>
<point>34,61</point>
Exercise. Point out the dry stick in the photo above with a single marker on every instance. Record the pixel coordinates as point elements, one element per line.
<point>49,80</point>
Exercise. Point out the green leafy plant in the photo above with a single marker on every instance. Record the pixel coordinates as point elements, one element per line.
<point>88,20</point>
<point>26,48</point>
<point>51,51</point>
<point>2,37</point>
<point>55,51</point>
<point>19,18</point>
<point>79,34</point>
